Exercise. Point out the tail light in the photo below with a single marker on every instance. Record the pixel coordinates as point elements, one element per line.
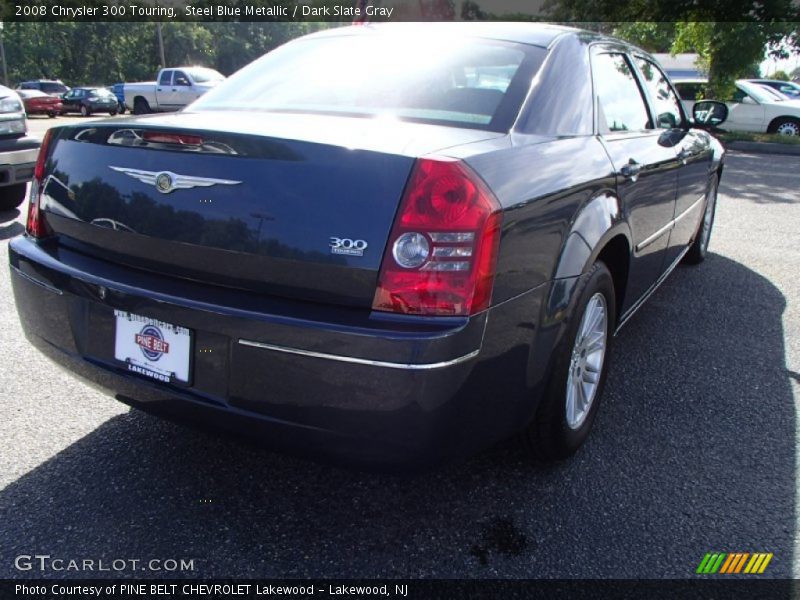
<point>36,225</point>
<point>442,252</point>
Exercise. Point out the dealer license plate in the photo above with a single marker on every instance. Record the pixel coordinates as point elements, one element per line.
<point>152,348</point>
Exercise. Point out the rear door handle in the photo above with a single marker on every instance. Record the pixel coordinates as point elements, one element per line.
<point>631,170</point>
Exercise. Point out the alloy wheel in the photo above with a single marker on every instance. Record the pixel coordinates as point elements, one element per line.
<point>586,364</point>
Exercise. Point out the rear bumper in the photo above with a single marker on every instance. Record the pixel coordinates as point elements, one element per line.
<point>330,383</point>
<point>102,106</point>
<point>18,159</point>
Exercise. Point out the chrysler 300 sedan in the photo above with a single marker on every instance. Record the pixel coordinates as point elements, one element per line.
<point>386,244</point>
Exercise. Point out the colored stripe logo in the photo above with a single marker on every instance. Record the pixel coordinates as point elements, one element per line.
<point>731,563</point>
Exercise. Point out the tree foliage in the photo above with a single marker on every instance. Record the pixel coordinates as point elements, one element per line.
<point>727,49</point>
<point>88,53</point>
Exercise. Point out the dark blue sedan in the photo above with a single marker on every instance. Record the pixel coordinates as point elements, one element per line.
<point>388,244</point>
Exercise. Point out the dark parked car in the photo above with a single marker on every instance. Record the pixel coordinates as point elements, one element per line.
<point>387,244</point>
<point>88,100</point>
<point>18,150</point>
<point>53,87</point>
<point>39,103</point>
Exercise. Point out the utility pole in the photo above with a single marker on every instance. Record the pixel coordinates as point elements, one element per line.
<point>3,56</point>
<point>161,46</point>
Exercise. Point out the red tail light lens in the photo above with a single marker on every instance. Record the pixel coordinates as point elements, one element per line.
<point>442,252</point>
<point>36,224</point>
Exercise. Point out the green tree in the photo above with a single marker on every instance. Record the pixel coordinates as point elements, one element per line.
<point>726,49</point>
<point>782,75</point>
<point>651,36</point>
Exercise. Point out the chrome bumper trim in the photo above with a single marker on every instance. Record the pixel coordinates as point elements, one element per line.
<point>19,157</point>
<point>362,361</point>
<point>35,281</point>
<point>652,238</point>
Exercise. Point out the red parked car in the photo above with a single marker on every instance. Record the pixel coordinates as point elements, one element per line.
<point>39,103</point>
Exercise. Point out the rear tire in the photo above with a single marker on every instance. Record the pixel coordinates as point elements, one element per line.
<point>140,106</point>
<point>699,249</point>
<point>572,396</point>
<point>113,113</point>
<point>52,115</point>
<point>11,196</point>
<point>785,126</point>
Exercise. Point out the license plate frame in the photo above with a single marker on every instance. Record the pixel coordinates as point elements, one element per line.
<point>152,348</point>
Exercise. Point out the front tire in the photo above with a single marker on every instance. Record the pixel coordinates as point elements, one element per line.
<point>699,249</point>
<point>568,408</point>
<point>85,112</point>
<point>11,196</point>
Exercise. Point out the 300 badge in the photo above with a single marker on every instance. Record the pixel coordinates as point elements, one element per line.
<point>347,246</point>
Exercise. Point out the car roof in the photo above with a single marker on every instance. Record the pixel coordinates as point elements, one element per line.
<point>781,81</point>
<point>534,34</point>
<point>688,80</point>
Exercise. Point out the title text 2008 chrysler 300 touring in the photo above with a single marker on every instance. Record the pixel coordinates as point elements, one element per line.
<point>385,244</point>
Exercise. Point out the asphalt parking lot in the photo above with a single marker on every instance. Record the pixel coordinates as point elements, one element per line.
<point>694,450</point>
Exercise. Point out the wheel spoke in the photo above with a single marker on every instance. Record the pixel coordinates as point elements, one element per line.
<point>595,316</point>
<point>571,401</point>
<point>591,376</point>
<point>596,341</point>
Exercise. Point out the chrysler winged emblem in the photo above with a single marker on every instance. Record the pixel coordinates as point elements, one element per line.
<point>166,181</point>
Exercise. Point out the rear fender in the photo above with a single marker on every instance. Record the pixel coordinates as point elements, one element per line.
<point>599,221</point>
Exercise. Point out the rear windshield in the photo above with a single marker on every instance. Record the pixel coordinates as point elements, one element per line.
<point>102,93</point>
<point>53,88</point>
<point>455,81</point>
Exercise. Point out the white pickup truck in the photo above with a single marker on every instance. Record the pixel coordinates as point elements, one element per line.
<point>175,88</point>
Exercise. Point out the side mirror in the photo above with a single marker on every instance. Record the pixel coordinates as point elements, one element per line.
<point>748,100</point>
<point>709,113</point>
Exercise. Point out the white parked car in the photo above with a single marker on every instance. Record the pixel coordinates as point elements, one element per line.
<point>752,108</point>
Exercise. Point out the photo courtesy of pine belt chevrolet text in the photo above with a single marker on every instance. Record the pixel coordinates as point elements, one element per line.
<point>386,245</point>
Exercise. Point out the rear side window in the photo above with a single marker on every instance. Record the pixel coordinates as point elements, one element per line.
<point>447,81</point>
<point>622,107</point>
<point>665,102</point>
<point>166,78</point>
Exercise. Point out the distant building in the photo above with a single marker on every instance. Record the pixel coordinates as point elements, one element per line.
<point>680,65</point>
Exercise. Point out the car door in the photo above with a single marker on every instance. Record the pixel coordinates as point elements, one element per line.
<point>164,89</point>
<point>694,153</point>
<point>70,101</point>
<point>646,168</point>
<point>745,113</point>
<point>182,90</point>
